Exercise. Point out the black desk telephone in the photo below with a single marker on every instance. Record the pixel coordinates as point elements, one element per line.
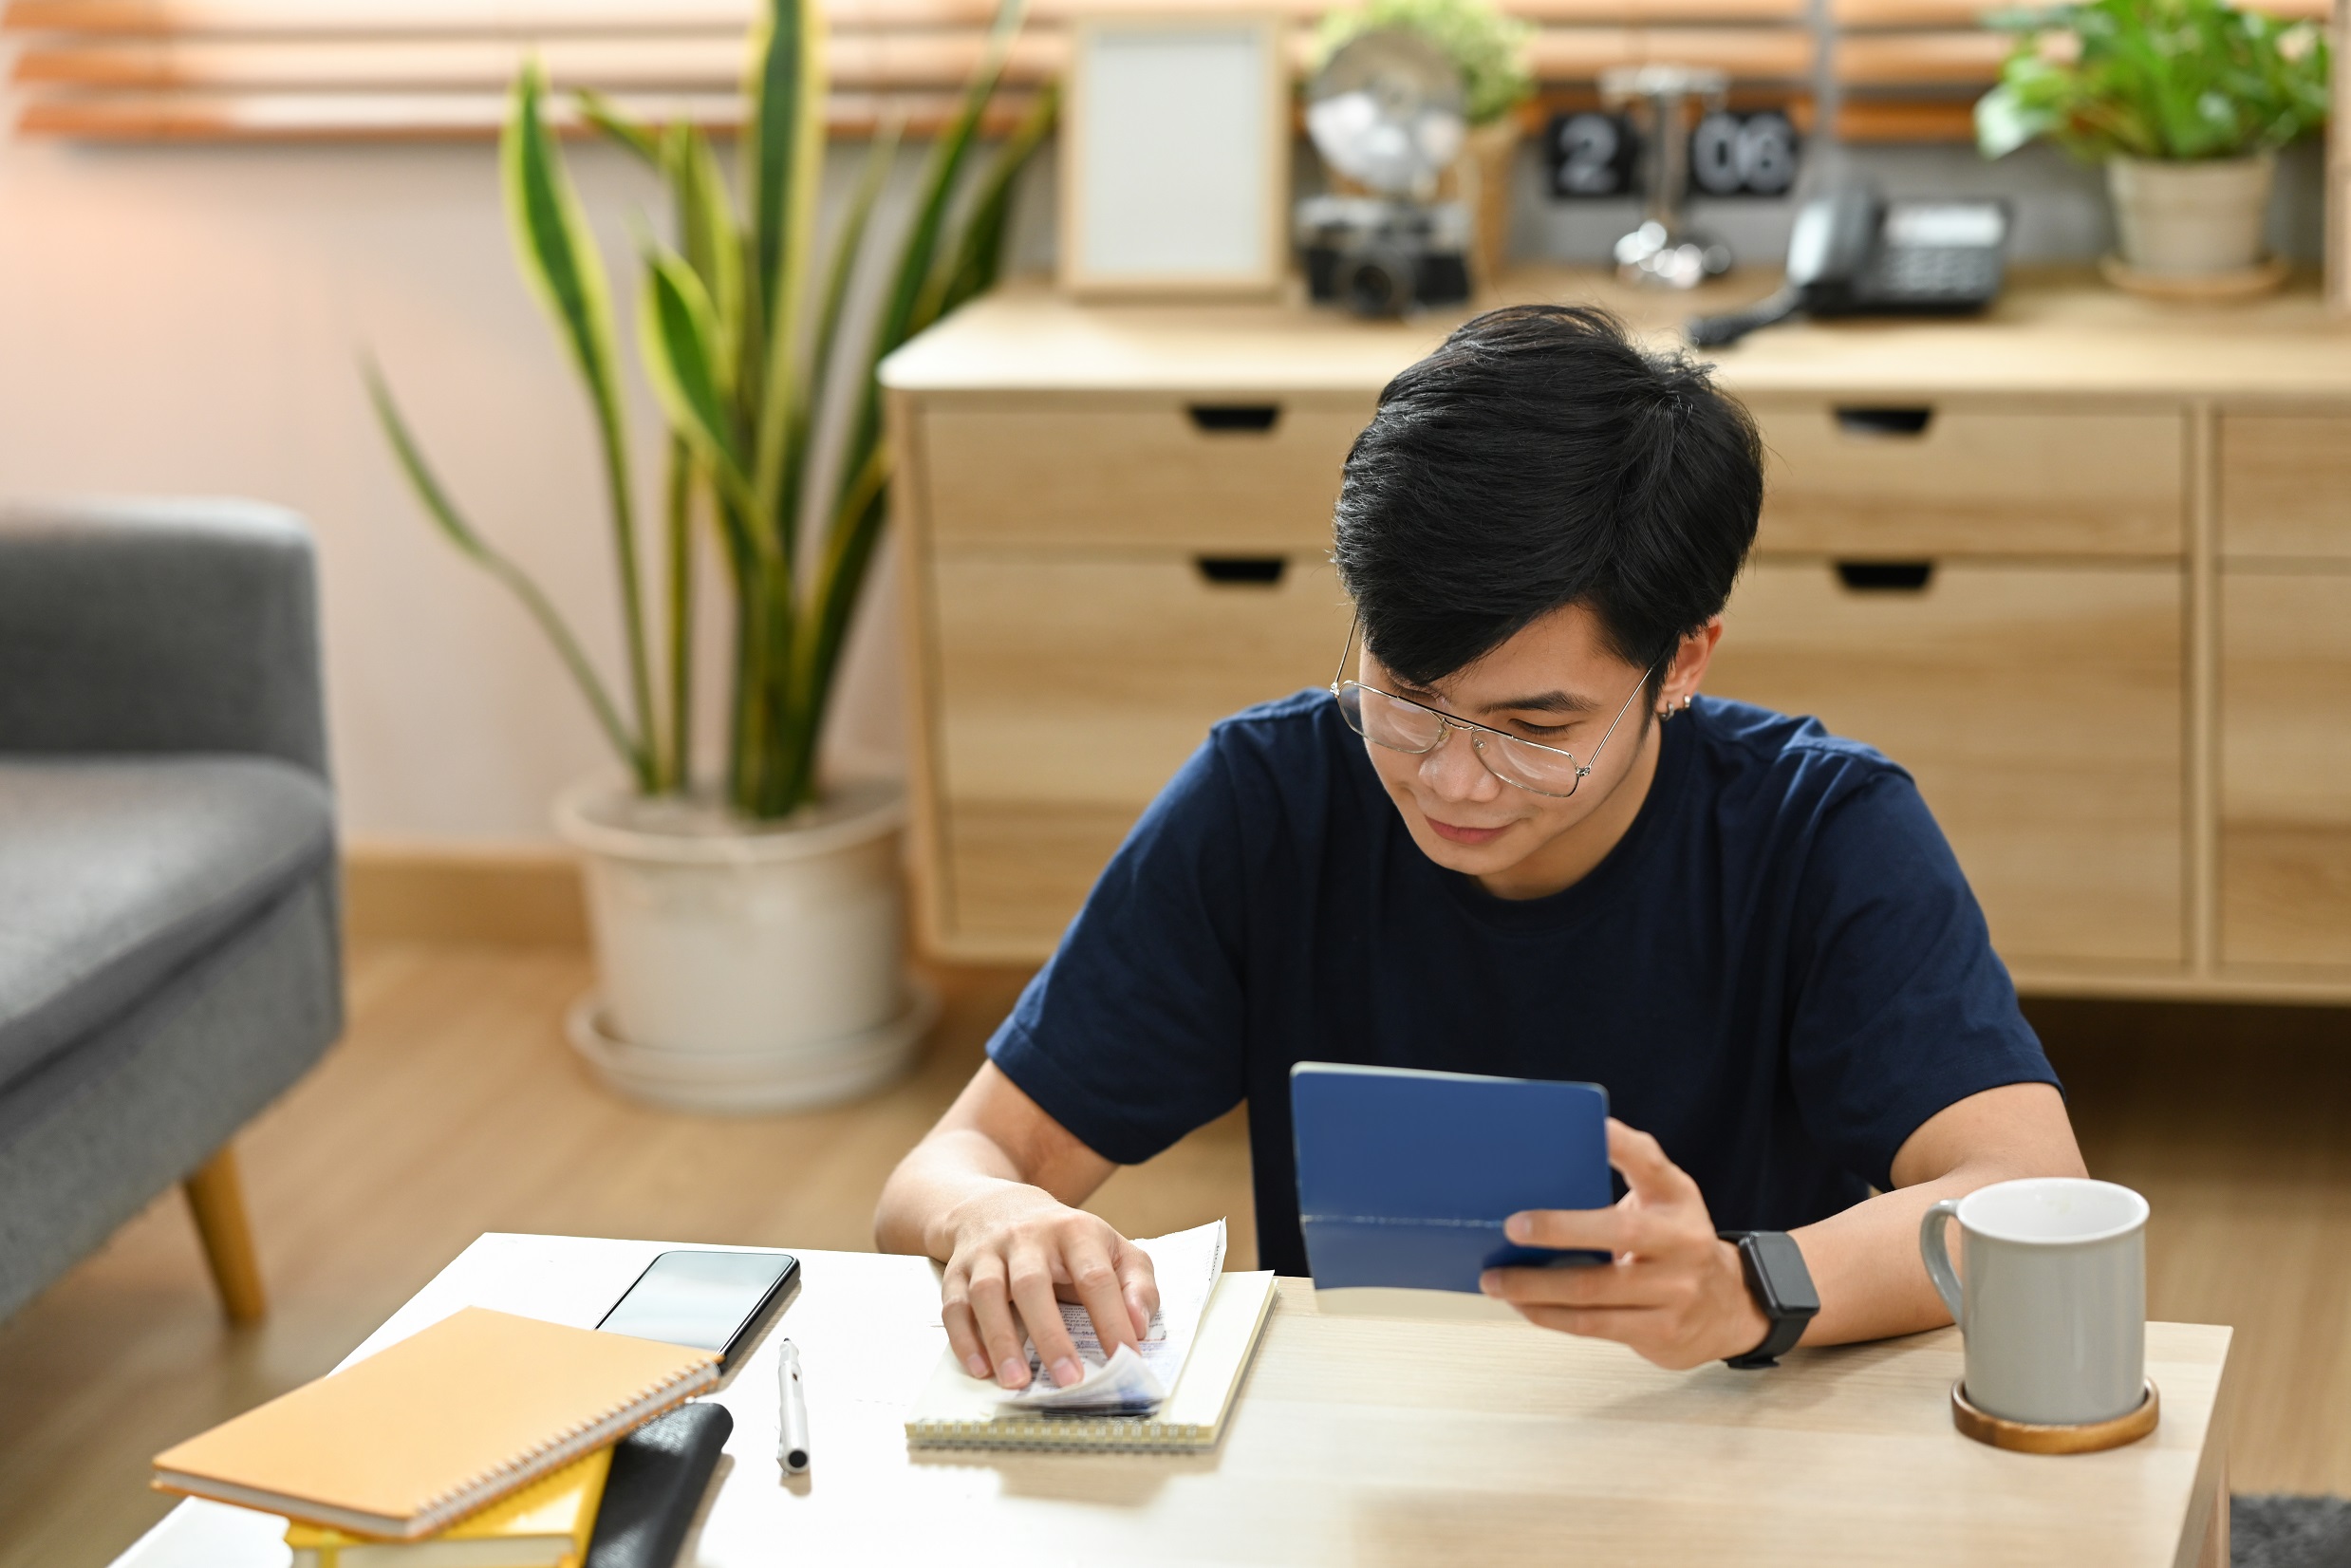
<point>1854,254</point>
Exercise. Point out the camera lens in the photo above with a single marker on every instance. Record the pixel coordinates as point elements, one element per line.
<point>1378,283</point>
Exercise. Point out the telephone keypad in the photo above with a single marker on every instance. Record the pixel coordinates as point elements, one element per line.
<point>1936,273</point>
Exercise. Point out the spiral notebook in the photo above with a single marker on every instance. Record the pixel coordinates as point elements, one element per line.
<point>1175,1398</point>
<point>445,1421</point>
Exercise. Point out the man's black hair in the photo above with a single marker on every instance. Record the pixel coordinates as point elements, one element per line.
<point>1539,459</point>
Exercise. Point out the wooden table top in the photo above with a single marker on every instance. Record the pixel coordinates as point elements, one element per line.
<point>2053,334</point>
<point>1368,1442</point>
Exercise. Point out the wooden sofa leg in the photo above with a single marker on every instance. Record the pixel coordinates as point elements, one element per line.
<point>217,1200</point>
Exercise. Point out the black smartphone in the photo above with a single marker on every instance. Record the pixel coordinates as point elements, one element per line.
<point>711,1301</point>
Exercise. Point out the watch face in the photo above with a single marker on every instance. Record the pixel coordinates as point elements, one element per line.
<point>1788,1284</point>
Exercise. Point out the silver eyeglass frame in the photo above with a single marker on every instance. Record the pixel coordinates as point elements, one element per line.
<point>1476,731</point>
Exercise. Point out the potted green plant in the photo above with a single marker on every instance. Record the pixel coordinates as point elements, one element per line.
<point>1490,51</point>
<point>748,927</point>
<point>2185,102</point>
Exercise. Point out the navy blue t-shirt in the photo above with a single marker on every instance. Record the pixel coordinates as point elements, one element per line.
<point>1779,970</point>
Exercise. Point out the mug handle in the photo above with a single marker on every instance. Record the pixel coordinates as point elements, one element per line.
<point>1933,1234</point>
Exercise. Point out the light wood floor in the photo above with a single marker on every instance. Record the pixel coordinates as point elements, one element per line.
<point>453,1107</point>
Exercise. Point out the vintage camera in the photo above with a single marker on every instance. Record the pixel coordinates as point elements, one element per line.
<point>1386,113</point>
<point>1380,256</point>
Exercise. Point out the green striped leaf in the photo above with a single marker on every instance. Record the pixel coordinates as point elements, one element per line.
<point>560,261</point>
<point>706,229</point>
<point>849,246</point>
<point>686,361</point>
<point>789,150</point>
<point>979,254</point>
<point>617,127</point>
<point>786,86</point>
<point>911,300</point>
<point>562,266</point>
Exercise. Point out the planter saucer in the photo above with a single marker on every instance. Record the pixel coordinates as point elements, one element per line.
<point>746,1083</point>
<point>2195,287</point>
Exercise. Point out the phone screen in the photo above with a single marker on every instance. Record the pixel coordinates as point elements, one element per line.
<point>704,1299</point>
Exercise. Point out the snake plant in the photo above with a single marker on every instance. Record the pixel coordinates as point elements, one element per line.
<point>740,326</point>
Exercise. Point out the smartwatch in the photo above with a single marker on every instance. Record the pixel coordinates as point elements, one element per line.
<point>1781,1285</point>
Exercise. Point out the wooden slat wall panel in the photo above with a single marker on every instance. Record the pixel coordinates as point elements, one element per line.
<point>409,117</point>
<point>1969,13</point>
<point>547,18</point>
<point>1579,54</point>
<point>1906,120</point>
<point>195,68</point>
<point>1795,101</point>
<point>935,58</point>
<point>1655,12</point>
<point>397,16</point>
<point>138,69</point>
<point>1967,59</point>
<point>932,59</point>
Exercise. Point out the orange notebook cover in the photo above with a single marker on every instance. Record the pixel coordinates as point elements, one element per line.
<point>425,1431</point>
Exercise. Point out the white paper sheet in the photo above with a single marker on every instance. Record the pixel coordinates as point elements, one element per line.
<point>1186,1265</point>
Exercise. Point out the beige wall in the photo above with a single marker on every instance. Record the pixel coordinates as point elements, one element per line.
<point>187,321</point>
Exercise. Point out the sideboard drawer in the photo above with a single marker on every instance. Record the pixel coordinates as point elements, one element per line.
<point>1223,474</point>
<point>1946,480</point>
<point>1070,689</point>
<point>2039,707</point>
<point>2285,485</point>
<point>2286,768</point>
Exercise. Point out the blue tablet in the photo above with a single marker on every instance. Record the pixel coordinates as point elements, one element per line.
<point>1405,1177</point>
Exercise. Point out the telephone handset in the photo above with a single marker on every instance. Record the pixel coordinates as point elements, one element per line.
<point>1854,254</point>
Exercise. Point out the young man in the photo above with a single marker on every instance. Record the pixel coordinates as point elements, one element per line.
<point>1514,841</point>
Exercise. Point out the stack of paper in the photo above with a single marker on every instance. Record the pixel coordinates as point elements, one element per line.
<point>1186,1265</point>
<point>1174,1394</point>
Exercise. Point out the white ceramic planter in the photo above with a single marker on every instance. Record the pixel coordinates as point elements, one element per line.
<point>744,968</point>
<point>2197,219</point>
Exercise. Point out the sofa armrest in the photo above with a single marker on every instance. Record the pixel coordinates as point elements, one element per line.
<point>159,627</point>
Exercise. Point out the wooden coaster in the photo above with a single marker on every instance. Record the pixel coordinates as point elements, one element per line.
<point>2206,287</point>
<point>2025,1437</point>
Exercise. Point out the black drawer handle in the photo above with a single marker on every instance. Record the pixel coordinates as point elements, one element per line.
<point>1220,418</point>
<point>1886,576</point>
<point>1884,422</point>
<point>1258,571</point>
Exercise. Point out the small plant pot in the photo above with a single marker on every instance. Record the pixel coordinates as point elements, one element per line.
<point>2199,220</point>
<point>744,966</point>
<point>1483,179</point>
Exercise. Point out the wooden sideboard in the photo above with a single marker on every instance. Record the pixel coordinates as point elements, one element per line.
<point>2083,567</point>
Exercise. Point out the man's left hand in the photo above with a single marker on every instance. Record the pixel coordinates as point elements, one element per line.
<point>1674,1291</point>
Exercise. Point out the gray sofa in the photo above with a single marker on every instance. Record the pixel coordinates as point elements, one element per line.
<point>169,938</point>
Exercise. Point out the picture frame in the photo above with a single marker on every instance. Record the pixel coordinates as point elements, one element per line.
<point>1175,156</point>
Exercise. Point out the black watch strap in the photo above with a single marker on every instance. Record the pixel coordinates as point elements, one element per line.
<point>1782,1285</point>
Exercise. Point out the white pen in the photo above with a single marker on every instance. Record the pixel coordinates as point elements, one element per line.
<point>791,1437</point>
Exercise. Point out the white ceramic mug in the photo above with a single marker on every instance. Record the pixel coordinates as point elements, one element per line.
<point>2054,1304</point>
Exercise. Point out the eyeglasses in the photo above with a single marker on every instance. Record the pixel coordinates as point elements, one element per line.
<point>1416,729</point>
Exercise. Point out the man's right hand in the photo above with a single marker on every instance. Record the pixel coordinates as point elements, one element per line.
<point>1016,1253</point>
